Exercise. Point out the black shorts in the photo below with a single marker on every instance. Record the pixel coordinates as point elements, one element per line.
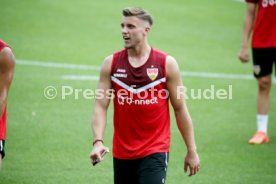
<point>263,60</point>
<point>2,148</point>
<point>147,170</point>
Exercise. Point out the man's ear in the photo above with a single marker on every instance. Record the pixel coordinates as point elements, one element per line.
<point>147,29</point>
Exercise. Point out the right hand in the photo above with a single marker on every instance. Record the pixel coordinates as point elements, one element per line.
<point>97,151</point>
<point>243,55</point>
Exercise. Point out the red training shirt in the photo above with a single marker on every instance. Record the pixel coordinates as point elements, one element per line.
<point>264,33</point>
<point>141,109</point>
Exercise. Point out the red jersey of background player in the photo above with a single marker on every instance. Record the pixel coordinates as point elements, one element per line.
<point>264,33</point>
<point>3,117</point>
<point>141,110</point>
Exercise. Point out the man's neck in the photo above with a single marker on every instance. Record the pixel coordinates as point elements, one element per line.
<point>139,55</point>
<point>139,51</point>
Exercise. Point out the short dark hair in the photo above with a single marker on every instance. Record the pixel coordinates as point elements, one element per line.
<point>140,13</point>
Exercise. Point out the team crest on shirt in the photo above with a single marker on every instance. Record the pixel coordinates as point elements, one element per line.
<point>257,69</point>
<point>152,73</point>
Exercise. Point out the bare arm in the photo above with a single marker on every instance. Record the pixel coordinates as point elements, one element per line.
<point>99,117</point>
<point>183,119</point>
<point>7,63</point>
<point>249,20</point>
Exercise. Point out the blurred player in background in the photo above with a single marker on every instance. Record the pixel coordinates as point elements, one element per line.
<point>141,76</point>
<point>7,62</point>
<point>260,17</point>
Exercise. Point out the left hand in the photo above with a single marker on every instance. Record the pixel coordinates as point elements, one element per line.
<point>192,162</point>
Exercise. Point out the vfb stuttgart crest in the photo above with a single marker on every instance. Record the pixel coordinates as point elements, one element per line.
<point>152,73</point>
<point>257,69</point>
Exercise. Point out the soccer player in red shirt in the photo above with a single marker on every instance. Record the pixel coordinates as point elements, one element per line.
<point>144,80</point>
<point>7,62</point>
<point>260,17</point>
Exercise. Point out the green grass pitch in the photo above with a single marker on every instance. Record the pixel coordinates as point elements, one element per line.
<point>49,141</point>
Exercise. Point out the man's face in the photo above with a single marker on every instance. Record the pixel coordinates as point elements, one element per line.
<point>134,31</point>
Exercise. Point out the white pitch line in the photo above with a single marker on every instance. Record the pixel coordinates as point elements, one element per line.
<point>80,77</point>
<point>241,1</point>
<point>96,68</point>
<point>57,65</point>
<point>217,75</point>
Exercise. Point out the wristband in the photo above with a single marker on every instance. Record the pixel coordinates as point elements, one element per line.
<point>97,140</point>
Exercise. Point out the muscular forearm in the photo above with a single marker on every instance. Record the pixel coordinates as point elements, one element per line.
<point>99,123</point>
<point>247,32</point>
<point>248,25</point>
<point>185,127</point>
